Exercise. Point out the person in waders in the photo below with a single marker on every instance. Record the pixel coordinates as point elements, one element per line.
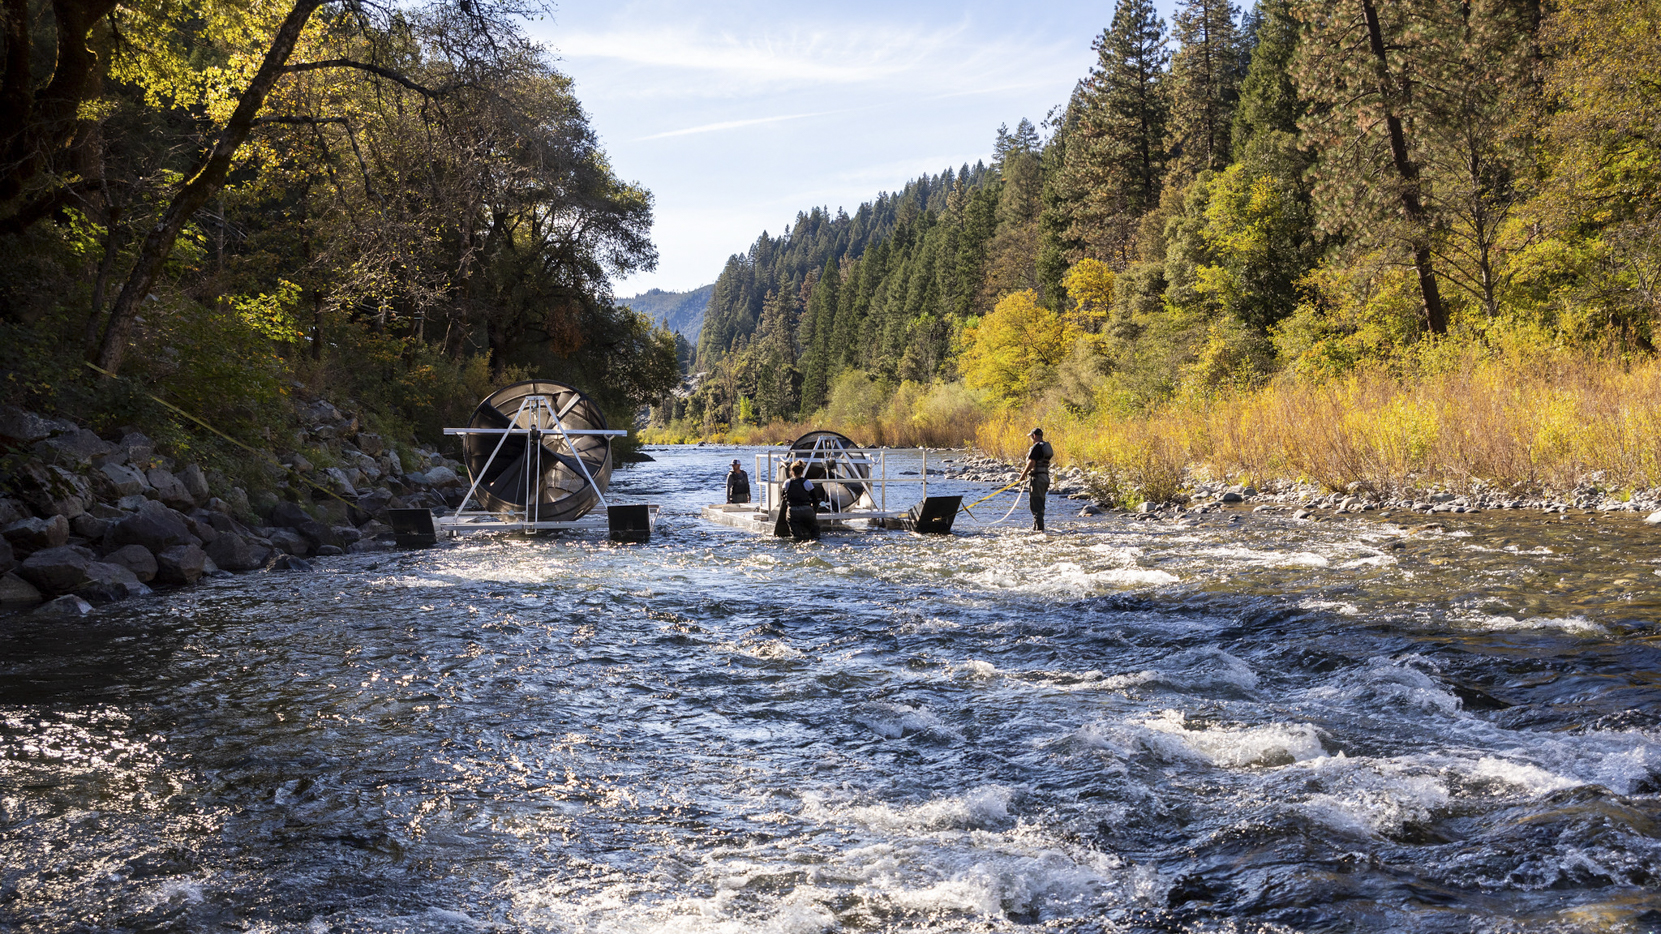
<point>1038,468</point>
<point>801,499</point>
<point>738,485</point>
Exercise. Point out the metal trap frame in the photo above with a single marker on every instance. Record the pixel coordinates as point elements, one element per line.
<point>535,419</point>
<point>844,466</point>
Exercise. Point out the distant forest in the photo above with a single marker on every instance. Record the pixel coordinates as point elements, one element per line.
<point>1303,191</point>
<point>681,312</point>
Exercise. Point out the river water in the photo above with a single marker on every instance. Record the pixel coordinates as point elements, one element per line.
<point>1231,723</point>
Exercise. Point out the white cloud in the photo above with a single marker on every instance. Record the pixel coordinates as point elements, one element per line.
<point>907,58</point>
<point>735,124</point>
<point>737,114</point>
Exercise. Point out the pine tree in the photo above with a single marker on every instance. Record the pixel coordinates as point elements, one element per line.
<point>1269,101</point>
<point>1411,106</point>
<point>1357,64</point>
<point>1116,154</point>
<point>818,322</point>
<point>1024,139</point>
<point>777,378</point>
<point>1205,85</point>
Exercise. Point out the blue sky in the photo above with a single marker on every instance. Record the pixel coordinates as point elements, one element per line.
<point>738,114</point>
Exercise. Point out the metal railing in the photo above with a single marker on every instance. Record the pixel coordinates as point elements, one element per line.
<point>873,461</point>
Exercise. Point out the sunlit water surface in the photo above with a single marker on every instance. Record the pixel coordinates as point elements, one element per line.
<point>1260,724</point>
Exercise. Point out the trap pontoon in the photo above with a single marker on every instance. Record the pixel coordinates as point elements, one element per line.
<point>856,481</point>
<point>539,457</point>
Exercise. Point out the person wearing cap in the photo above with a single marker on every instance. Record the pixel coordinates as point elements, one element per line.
<point>1038,467</point>
<point>738,485</point>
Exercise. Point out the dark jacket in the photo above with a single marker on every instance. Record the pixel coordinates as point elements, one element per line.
<point>799,494</point>
<point>1040,456</point>
<point>738,485</point>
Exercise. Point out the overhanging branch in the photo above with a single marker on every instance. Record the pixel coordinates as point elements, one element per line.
<point>387,73</point>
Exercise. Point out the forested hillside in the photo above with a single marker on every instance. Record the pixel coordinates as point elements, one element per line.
<point>681,312</point>
<point>1311,193</point>
<point>231,206</point>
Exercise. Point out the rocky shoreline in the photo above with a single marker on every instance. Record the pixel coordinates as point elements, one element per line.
<point>88,520</point>
<point>1301,501</point>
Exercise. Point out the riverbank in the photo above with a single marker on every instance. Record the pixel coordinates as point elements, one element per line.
<point>1097,490</point>
<point>89,519</point>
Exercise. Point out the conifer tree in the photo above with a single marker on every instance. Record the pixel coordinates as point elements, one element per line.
<point>1205,85</point>
<point>1116,154</point>
<point>1269,101</point>
<point>817,325</point>
<point>1357,64</point>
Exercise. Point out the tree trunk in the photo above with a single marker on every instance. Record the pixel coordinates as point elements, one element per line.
<point>1390,97</point>
<point>115,236</point>
<point>37,124</point>
<point>208,179</point>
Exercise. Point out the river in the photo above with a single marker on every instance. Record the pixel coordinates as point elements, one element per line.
<point>1230,723</point>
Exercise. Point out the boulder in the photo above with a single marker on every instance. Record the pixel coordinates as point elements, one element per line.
<point>8,559</point>
<point>11,511</point>
<point>442,476</point>
<point>1653,518</point>
<point>52,490</point>
<point>218,521</point>
<point>180,564</point>
<point>289,563</point>
<point>16,592</point>
<point>391,465</point>
<point>371,443</point>
<point>346,535</point>
<point>33,534</point>
<point>20,427</point>
<point>291,516</point>
<point>68,606</point>
<point>138,448</point>
<point>90,527</point>
<point>298,462</point>
<point>57,570</point>
<point>289,541</point>
<point>121,480</point>
<point>168,489</point>
<point>369,545</point>
<point>336,479</point>
<point>233,553</point>
<point>374,528</point>
<point>372,505</point>
<point>329,551</point>
<point>107,583</point>
<point>76,447</point>
<point>155,527</point>
<point>135,558</point>
<point>215,504</point>
<point>195,483</point>
<point>320,412</point>
<point>202,529</point>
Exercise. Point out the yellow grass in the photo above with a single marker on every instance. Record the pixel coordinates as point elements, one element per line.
<point>1547,421</point>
